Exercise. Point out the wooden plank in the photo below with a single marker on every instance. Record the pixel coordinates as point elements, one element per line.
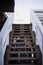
<point>22,52</point>
<point>22,58</point>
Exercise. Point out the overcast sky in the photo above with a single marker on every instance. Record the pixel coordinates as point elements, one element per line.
<point>23,8</point>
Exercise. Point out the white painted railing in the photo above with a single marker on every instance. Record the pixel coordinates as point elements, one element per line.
<point>4,36</point>
<point>38,28</point>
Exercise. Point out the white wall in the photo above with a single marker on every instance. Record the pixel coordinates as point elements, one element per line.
<point>4,36</point>
<point>0,51</point>
<point>37,27</point>
<point>42,50</point>
<point>22,10</point>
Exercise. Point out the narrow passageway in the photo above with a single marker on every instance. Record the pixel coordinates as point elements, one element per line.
<point>22,48</point>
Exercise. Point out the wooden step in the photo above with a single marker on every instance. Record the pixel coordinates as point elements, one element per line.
<point>22,58</point>
<point>22,48</point>
<point>21,26</point>
<point>14,52</point>
<point>22,64</point>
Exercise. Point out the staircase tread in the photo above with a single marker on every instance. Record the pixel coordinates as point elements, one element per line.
<point>22,64</point>
<point>20,49</point>
<point>12,52</point>
<point>22,58</point>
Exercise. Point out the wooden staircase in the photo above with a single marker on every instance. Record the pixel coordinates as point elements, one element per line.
<point>22,48</point>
